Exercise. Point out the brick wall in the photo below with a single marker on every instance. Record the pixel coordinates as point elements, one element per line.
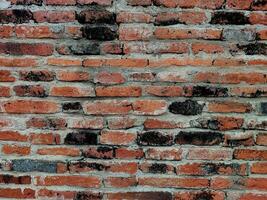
<point>133,99</point>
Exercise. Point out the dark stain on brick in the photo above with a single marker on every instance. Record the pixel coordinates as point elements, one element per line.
<point>30,91</point>
<point>71,106</point>
<point>85,49</point>
<point>221,168</point>
<point>29,2</point>
<point>103,33</point>
<point>259,3</point>
<point>199,138</point>
<point>17,16</point>
<point>147,195</point>
<point>88,196</point>
<point>153,138</point>
<point>27,165</point>
<point>7,179</point>
<point>203,195</point>
<point>209,91</point>
<point>239,142</point>
<point>168,22</point>
<point>263,108</point>
<point>157,168</point>
<point>235,18</point>
<point>36,76</point>
<point>81,138</point>
<point>187,107</point>
<point>94,166</point>
<point>254,48</point>
<point>103,152</point>
<point>96,16</point>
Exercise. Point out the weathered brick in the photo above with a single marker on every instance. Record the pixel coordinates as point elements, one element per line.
<point>154,138</point>
<point>81,138</point>
<point>102,33</point>
<point>187,107</point>
<point>27,165</point>
<point>15,16</point>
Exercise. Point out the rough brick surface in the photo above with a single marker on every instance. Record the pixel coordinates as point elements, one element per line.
<point>133,99</point>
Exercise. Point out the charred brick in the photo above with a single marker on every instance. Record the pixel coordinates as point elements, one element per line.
<point>187,107</point>
<point>96,16</point>
<point>102,33</point>
<point>209,91</point>
<point>263,108</point>
<point>93,166</point>
<point>203,195</point>
<point>85,49</point>
<point>7,179</point>
<point>81,138</point>
<point>221,168</point>
<point>71,107</point>
<point>158,168</point>
<point>30,91</point>
<point>254,48</point>
<point>88,195</point>
<point>37,76</point>
<point>103,152</point>
<point>236,18</point>
<point>27,165</point>
<point>15,16</point>
<point>146,195</point>
<point>199,138</point>
<point>29,2</point>
<point>259,3</point>
<point>153,138</point>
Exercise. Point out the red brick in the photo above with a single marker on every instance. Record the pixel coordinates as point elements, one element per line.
<point>78,181</point>
<point>108,107</point>
<point>30,106</point>
<point>6,76</point>
<point>124,153</point>
<point>64,62</point>
<point>38,32</point>
<point>70,91</point>
<point>259,168</point>
<point>72,76</point>
<point>44,138</point>
<point>60,2</point>
<point>121,123</point>
<point>126,17</point>
<point>135,33</point>
<point>6,31</point>
<point>17,193</point>
<point>261,139</point>
<point>83,123</point>
<point>250,154</point>
<point>54,16</point>
<point>109,78</point>
<point>5,91</point>
<point>149,107</point>
<point>165,91</point>
<point>12,136</point>
<point>239,4</point>
<point>18,62</point>
<point>258,18</point>
<point>120,182</point>
<point>119,91</point>
<point>209,154</point>
<point>99,2</point>
<point>59,151</point>
<point>117,137</point>
<point>164,154</point>
<point>229,107</point>
<point>16,149</point>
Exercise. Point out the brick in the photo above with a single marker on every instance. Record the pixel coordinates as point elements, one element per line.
<point>154,138</point>
<point>139,3</point>
<point>241,35</point>
<point>106,77</point>
<point>103,107</point>
<point>153,123</point>
<point>64,62</point>
<point>47,123</point>
<point>120,182</point>
<point>71,107</point>
<point>80,181</point>
<point>96,16</point>
<point>207,48</point>
<point>16,149</point>
<point>43,138</point>
<point>54,16</point>
<point>156,168</point>
<point>5,91</point>
<point>124,153</point>
<point>261,139</point>
<point>84,123</point>
<point>91,48</point>
<point>92,2</point>
<point>259,168</point>
<point>30,91</point>
<point>135,33</point>
<point>238,4</point>
<point>30,106</point>
<point>35,76</point>
<point>17,62</point>
<point>210,4</point>
<point>27,2</point>
<point>259,5</point>
<point>60,2</point>
<point>6,31</point>
<point>73,76</point>
<point>250,154</point>
<point>187,107</point>
<point>59,151</point>
<point>12,136</point>
<point>81,138</point>
<point>27,165</point>
<point>140,195</point>
<point>149,107</point>
<point>138,17</point>
<point>209,154</point>
<point>9,179</point>
<point>102,33</point>
<point>233,18</point>
<point>40,49</point>
<point>165,91</point>
<point>258,18</point>
<point>121,123</point>
<point>124,167</point>
<point>165,153</point>
<point>15,16</point>
<point>174,182</point>
<point>72,91</point>
<point>212,195</point>
<point>117,137</point>
<point>174,33</point>
<point>229,107</point>
<point>17,193</point>
<point>101,152</point>
<point>55,194</point>
<point>118,91</point>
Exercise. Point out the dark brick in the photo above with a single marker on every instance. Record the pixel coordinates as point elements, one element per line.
<point>29,2</point>
<point>205,195</point>
<point>71,107</point>
<point>254,48</point>
<point>81,138</point>
<point>15,16</point>
<point>199,138</point>
<point>154,138</point>
<point>88,196</point>
<point>89,166</point>
<point>102,33</point>
<point>236,18</point>
<point>85,49</point>
<point>209,91</point>
<point>39,49</point>
<point>263,108</point>
<point>27,165</point>
<point>47,123</point>
<point>141,195</point>
<point>36,76</point>
<point>7,179</point>
<point>158,168</point>
<point>187,107</point>
<point>249,141</point>
<point>30,91</point>
<point>96,16</point>
<point>102,152</point>
<point>222,169</point>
